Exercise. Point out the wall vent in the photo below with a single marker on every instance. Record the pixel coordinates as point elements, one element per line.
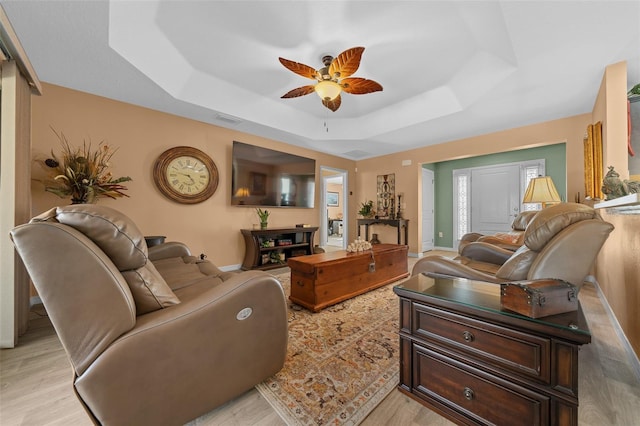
<point>228,119</point>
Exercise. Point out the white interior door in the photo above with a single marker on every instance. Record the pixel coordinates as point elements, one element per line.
<point>427,210</point>
<point>495,198</point>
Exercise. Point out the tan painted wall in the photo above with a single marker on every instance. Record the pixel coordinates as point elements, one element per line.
<point>408,178</point>
<point>614,120</point>
<point>618,265</point>
<point>212,227</point>
<point>618,273</point>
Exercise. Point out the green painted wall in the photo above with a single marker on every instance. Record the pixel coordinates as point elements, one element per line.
<point>555,162</point>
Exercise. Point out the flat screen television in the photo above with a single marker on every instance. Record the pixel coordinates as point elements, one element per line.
<point>265,177</point>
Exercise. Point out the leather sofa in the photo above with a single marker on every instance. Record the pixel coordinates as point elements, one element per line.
<point>512,240</point>
<point>154,336</point>
<point>560,242</point>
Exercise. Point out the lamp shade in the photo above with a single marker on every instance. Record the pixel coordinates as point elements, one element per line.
<point>242,192</point>
<point>328,90</point>
<point>541,190</point>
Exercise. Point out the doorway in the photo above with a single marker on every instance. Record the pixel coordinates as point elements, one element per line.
<point>486,199</point>
<point>427,209</point>
<point>333,214</point>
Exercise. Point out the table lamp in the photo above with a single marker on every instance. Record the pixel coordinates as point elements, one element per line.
<point>541,190</point>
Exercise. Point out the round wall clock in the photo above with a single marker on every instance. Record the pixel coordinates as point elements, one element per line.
<point>186,175</point>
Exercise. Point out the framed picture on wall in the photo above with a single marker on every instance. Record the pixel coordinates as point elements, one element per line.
<point>332,199</point>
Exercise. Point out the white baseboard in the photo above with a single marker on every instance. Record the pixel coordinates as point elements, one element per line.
<point>631,354</point>
<point>427,253</point>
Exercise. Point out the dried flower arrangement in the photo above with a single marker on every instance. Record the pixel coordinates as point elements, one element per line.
<point>82,173</point>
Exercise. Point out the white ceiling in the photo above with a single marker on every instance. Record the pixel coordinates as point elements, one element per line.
<point>449,69</point>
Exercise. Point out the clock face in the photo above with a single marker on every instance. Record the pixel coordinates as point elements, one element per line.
<point>186,175</point>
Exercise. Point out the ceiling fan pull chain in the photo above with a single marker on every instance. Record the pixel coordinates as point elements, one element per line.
<point>326,122</point>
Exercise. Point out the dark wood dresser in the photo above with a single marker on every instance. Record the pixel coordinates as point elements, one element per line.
<point>467,359</point>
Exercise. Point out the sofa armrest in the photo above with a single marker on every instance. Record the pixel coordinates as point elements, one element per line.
<point>441,265</point>
<point>468,238</point>
<point>485,252</point>
<point>500,242</point>
<point>167,250</point>
<point>219,342</point>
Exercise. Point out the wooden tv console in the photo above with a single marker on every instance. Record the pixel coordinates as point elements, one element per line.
<point>324,279</point>
<point>262,246</point>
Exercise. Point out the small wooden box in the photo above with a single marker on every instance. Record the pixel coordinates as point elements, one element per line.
<point>539,298</point>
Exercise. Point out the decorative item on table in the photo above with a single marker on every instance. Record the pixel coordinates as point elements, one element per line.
<point>268,243</point>
<point>374,239</point>
<point>539,298</point>
<point>398,212</point>
<point>82,173</point>
<point>275,257</point>
<point>366,209</point>
<point>264,217</point>
<point>358,245</point>
<point>613,187</point>
<point>285,242</point>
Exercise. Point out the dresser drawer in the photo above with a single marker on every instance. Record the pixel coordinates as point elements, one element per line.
<point>524,354</point>
<point>479,396</point>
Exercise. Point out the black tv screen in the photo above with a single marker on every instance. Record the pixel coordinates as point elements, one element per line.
<point>265,177</point>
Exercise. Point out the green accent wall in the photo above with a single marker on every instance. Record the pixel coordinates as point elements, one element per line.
<point>555,157</point>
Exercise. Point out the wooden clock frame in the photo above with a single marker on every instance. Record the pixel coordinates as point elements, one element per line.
<point>161,181</point>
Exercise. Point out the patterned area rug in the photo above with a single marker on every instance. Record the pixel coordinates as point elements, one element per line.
<point>341,362</point>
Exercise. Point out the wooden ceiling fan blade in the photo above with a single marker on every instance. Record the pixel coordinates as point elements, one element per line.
<point>360,86</point>
<point>333,105</point>
<point>300,69</point>
<point>300,91</point>
<point>347,62</point>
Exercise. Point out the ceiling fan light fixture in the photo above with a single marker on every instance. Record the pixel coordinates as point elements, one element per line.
<point>332,79</point>
<point>328,90</point>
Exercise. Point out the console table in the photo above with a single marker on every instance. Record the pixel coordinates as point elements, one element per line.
<point>398,223</point>
<point>270,248</point>
<point>474,363</point>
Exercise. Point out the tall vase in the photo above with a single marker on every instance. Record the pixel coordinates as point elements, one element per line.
<point>263,225</point>
<point>80,195</point>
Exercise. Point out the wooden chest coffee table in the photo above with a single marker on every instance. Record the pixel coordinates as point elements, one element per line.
<point>321,280</point>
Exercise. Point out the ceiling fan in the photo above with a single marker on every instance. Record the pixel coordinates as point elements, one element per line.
<point>333,78</point>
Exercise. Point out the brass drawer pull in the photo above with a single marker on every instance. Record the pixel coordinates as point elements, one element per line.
<point>468,394</point>
<point>467,336</point>
<point>300,283</point>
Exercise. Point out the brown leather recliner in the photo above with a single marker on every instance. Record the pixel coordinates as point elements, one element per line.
<point>561,242</point>
<point>155,336</point>
<point>508,240</point>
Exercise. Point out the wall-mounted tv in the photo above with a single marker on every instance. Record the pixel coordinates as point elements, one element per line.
<point>265,177</point>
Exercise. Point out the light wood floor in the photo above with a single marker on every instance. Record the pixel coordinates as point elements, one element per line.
<point>35,384</point>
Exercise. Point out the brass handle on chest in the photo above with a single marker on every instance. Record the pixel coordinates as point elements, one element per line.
<point>300,283</point>
<point>467,336</point>
<point>468,393</point>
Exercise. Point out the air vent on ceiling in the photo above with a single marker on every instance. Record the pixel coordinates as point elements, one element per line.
<point>228,119</point>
